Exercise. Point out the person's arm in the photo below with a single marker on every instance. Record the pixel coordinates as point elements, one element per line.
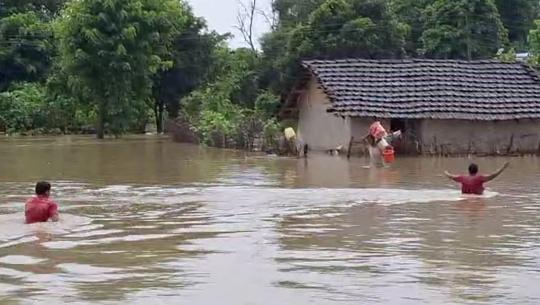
<point>368,139</point>
<point>497,173</point>
<point>55,217</point>
<point>452,177</point>
<point>53,212</point>
<point>365,137</point>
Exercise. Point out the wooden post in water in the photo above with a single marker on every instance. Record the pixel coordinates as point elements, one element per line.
<point>350,148</point>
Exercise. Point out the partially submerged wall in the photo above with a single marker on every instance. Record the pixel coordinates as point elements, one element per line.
<point>452,137</point>
<point>318,128</point>
<point>459,137</point>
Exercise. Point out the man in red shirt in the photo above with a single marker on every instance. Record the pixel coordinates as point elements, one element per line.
<point>474,183</point>
<point>40,208</point>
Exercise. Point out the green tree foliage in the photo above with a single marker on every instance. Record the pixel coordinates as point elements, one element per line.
<point>192,54</point>
<point>518,17</point>
<point>234,81</point>
<point>21,108</point>
<point>412,14</point>
<point>25,48</point>
<point>507,56</point>
<point>231,111</point>
<point>112,48</point>
<point>47,8</point>
<point>336,28</point>
<point>534,44</point>
<point>244,62</point>
<point>293,12</point>
<point>31,108</point>
<point>465,29</point>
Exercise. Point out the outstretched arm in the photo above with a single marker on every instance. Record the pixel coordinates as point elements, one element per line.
<point>451,176</point>
<point>497,173</point>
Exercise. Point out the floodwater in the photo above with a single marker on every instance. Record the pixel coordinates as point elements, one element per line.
<point>148,221</point>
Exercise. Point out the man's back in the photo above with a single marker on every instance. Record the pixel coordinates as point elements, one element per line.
<point>472,184</point>
<point>40,209</point>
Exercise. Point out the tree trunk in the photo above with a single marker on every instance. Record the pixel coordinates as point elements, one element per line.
<point>101,120</point>
<point>468,33</point>
<point>158,111</point>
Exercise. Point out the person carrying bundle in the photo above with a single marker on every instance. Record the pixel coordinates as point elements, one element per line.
<point>379,141</point>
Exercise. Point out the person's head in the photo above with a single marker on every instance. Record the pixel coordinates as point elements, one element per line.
<point>43,188</point>
<point>473,169</point>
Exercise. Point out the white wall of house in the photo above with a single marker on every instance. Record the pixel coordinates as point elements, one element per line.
<point>316,127</point>
<point>480,137</point>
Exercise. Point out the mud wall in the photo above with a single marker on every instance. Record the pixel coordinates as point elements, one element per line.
<point>453,137</point>
<point>318,128</point>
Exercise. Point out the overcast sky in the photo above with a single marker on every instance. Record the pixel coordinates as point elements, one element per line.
<point>221,16</point>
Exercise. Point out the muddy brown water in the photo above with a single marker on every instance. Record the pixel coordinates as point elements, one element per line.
<point>148,221</point>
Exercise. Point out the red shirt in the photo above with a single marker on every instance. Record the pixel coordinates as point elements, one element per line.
<point>40,209</point>
<point>472,184</point>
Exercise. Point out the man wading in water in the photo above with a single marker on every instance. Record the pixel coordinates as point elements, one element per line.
<point>473,184</point>
<point>41,208</point>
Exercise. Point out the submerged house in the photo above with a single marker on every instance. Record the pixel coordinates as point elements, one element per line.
<point>443,106</point>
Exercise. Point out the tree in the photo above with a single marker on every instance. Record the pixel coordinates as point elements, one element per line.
<point>412,14</point>
<point>271,16</point>
<point>292,12</point>
<point>518,17</point>
<point>26,40</point>
<point>234,74</point>
<point>534,43</point>
<point>112,48</point>
<point>246,21</point>
<point>231,110</point>
<point>335,29</point>
<point>48,8</point>
<point>358,28</point>
<point>21,109</point>
<point>466,29</point>
<point>25,48</point>
<point>192,55</point>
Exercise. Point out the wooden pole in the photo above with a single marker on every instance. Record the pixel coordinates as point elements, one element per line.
<point>350,148</point>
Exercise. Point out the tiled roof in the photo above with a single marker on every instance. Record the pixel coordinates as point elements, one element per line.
<point>437,89</point>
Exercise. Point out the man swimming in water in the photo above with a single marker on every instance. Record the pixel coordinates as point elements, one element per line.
<point>474,183</point>
<point>41,208</point>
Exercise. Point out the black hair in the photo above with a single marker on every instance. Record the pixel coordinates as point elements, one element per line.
<point>42,187</point>
<point>473,169</point>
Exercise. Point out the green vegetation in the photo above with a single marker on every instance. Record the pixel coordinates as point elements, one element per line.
<point>114,66</point>
<point>111,49</point>
<point>463,29</point>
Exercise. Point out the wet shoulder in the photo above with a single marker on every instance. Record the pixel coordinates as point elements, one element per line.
<point>32,200</point>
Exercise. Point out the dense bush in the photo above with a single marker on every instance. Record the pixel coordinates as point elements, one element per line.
<point>22,108</point>
<point>232,111</point>
<point>29,108</point>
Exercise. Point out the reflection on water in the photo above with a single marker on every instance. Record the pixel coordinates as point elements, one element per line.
<point>147,221</point>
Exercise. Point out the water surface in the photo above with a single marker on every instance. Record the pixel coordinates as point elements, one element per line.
<point>148,221</point>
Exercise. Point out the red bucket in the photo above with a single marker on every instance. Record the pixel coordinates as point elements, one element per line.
<point>389,155</point>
